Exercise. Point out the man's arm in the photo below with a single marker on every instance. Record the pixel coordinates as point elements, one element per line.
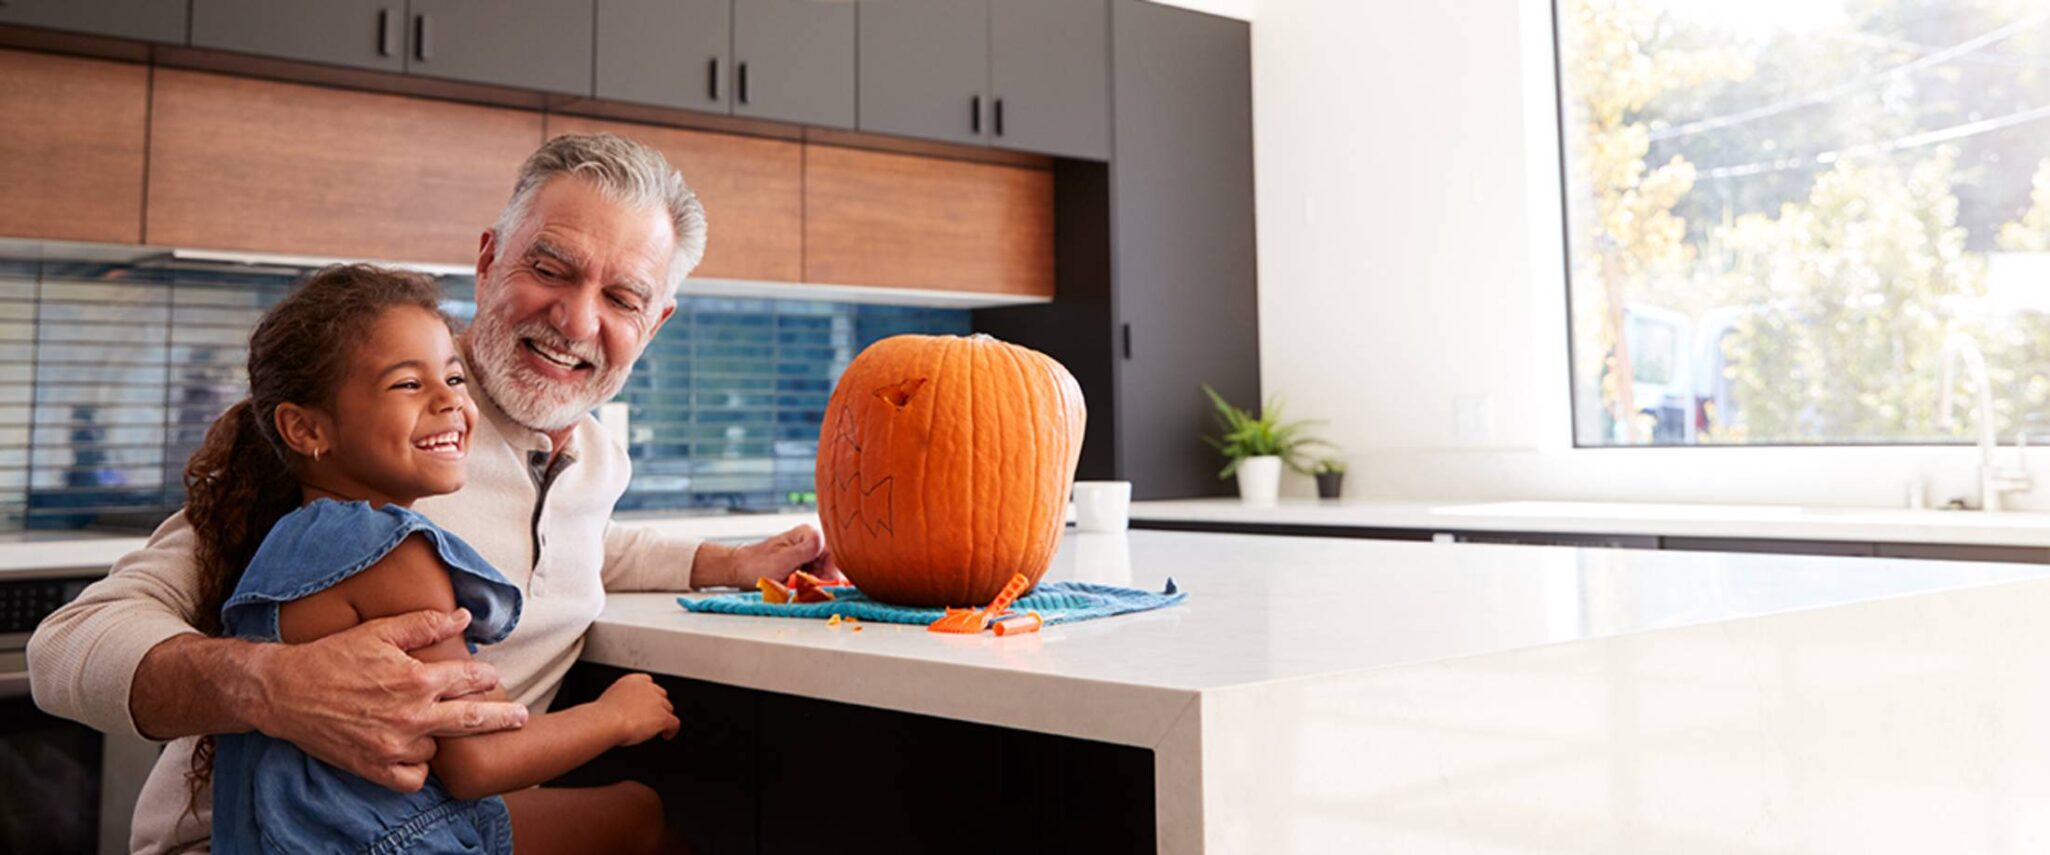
<point>124,658</point>
<point>638,559</point>
<point>83,658</point>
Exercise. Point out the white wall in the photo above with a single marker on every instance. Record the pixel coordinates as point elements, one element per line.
<point>1411,285</point>
<point>1240,9</point>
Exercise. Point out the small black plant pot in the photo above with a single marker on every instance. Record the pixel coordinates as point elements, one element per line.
<point>1328,484</point>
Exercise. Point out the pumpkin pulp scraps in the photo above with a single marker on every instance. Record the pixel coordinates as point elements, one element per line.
<point>970,622</point>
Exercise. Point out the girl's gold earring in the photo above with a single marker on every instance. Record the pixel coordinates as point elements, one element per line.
<point>316,455</point>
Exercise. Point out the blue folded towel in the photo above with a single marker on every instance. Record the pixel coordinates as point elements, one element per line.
<point>1056,602</point>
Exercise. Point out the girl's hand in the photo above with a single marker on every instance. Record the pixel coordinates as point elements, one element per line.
<point>641,708</point>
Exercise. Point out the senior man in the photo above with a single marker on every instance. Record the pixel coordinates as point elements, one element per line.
<point>573,282</point>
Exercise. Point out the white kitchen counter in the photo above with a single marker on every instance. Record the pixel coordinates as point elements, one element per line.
<point>1785,522</point>
<point>1337,695</point>
<point>85,553</point>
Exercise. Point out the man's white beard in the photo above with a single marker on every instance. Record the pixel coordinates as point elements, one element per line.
<point>538,402</point>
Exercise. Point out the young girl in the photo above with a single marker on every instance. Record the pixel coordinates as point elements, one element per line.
<point>301,497</point>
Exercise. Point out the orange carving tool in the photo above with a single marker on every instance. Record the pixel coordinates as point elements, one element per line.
<point>969,622</point>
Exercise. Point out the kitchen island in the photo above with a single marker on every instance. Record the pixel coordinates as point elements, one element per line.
<point>1330,695</point>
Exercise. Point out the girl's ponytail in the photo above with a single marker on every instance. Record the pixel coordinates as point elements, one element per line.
<point>236,487</point>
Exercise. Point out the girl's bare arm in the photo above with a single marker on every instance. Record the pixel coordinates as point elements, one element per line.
<point>412,578</point>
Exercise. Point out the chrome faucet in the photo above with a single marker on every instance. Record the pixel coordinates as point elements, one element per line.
<point>1994,480</point>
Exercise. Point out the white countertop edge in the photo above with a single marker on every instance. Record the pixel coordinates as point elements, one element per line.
<point>76,554</point>
<point>1120,713</point>
<point>1773,522</point>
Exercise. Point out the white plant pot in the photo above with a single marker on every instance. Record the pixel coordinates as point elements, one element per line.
<point>1260,479</point>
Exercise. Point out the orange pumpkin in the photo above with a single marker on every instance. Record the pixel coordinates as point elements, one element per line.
<point>944,467</point>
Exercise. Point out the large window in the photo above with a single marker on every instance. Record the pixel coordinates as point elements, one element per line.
<point>1782,216</point>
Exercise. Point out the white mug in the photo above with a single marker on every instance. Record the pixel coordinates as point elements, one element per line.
<point>1102,505</point>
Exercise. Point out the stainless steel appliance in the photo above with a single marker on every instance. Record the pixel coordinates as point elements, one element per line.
<point>64,787</point>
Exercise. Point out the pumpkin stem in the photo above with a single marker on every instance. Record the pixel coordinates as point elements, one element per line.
<point>899,394</point>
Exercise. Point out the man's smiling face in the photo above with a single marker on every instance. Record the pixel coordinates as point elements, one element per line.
<point>567,301</point>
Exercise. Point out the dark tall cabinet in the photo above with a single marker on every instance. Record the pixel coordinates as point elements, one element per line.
<point>149,20</point>
<point>1183,273</point>
<point>1154,254</point>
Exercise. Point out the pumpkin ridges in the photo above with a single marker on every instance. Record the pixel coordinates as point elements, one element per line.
<point>1036,503</point>
<point>981,413</point>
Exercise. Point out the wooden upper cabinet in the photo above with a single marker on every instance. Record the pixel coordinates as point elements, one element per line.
<point>751,189</point>
<point>877,218</point>
<point>71,149</point>
<point>244,164</point>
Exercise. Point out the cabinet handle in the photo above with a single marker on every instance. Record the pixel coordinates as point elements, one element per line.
<point>975,115</point>
<point>423,38</point>
<point>999,117</point>
<point>1126,330</point>
<point>714,78</point>
<point>743,83</point>
<point>384,32</point>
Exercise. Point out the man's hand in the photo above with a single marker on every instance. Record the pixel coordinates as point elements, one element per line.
<point>801,548</point>
<point>357,700</point>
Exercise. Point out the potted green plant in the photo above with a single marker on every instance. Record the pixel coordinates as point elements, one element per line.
<point>1255,447</point>
<point>1330,473</point>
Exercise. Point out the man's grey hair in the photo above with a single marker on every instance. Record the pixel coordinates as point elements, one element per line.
<point>625,171</point>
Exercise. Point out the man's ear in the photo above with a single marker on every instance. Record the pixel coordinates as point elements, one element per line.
<point>305,430</point>
<point>667,311</point>
<point>487,252</point>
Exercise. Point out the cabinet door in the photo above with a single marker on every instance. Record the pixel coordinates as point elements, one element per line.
<point>898,220</point>
<point>241,163</point>
<point>1049,76</point>
<point>530,44</point>
<point>1183,257</point>
<point>71,150</point>
<point>149,20</point>
<point>667,52</point>
<point>794,61</point>
<point>752,190</point>
<point>358,33</point>
<point>925,69</point>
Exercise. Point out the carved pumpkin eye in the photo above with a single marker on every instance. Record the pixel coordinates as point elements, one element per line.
<point>899,394</point>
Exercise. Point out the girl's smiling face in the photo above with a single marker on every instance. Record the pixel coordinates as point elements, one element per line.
<point>399,427</point>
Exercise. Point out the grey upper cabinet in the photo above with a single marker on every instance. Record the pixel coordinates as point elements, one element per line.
<point>794,61</point>
<point>1049,76</point>
<point>149,20</point>
<point>672,53</point>
<point>531,44</point>
<point>925,69</point>
<point>358,33</point>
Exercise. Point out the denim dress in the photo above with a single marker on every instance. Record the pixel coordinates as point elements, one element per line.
<point>271,797</point>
